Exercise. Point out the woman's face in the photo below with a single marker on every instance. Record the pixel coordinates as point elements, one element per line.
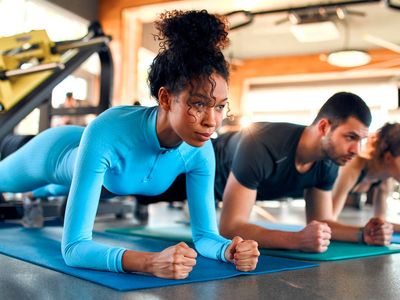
<point>197,111</point>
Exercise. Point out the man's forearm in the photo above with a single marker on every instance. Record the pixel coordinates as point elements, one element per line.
<point>343,232</point>
<point>265,238</point>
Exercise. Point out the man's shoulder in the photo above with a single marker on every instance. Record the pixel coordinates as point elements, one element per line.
<point>276,137</point>
<point>273,127</point>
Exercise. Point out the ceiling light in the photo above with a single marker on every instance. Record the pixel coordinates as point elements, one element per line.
<point>348,58</point>
<point>315,32</point>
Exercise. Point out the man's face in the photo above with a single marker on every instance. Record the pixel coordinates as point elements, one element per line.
<point>343,143</point>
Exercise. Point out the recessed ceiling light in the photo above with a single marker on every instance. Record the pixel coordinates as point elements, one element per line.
<point>348,58</point>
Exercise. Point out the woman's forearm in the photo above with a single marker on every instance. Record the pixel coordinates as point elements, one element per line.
<point>135,261</point>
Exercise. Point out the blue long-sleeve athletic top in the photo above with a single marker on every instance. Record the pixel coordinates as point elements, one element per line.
<point>120,151</point>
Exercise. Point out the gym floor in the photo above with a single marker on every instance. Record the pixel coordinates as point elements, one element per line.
<point>369,278</point>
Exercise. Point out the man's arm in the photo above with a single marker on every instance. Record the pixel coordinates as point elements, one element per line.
<point>238,202</point>
<point>319,207</point>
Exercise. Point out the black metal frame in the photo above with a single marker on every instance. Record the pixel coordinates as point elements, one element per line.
<point>390,4</point>
<point>42,93</point>
<point>249,15</point>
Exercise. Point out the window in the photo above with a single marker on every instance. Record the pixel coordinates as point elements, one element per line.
<point>299,101</point>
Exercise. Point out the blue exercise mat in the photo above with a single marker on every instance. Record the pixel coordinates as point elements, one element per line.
<point>42,247</point>
<point>396,238</point>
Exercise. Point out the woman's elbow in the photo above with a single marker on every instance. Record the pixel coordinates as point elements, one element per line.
<point>67,252</point>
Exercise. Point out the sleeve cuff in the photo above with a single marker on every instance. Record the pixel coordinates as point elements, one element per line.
<point>223,249</point>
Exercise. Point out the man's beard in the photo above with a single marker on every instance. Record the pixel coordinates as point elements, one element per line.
<point>329,151</point>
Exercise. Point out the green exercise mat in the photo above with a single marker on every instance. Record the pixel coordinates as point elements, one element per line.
<point>170,233</point>
<point>183,233</point>
<point>336,250</point>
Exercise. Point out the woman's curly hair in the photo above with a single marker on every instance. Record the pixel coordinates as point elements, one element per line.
<point>190,49</point>
<point>388,140</point>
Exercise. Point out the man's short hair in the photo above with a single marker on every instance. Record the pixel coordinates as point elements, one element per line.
<point>343,105</point>
<point>69,94</point>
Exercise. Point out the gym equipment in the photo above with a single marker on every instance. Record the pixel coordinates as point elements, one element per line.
<point>11,143</point>
<point>42,247</point>
<point>31,66</point>
<point>33,49</point>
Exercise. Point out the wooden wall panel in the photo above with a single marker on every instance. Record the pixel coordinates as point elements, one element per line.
<point>110,13</point>
<point>291,65</point>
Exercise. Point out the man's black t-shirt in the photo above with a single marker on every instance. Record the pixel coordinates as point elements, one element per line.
<point>262,157</point>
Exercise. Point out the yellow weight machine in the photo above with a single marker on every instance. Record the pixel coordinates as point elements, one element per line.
<point>25,61</point>
<point>31,65</point>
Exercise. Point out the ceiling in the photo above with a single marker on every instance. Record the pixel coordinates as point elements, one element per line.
<point>265,37</point>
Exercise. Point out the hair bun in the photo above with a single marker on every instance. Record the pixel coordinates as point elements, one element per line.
<point>191,30</point>
<point>190,51</point>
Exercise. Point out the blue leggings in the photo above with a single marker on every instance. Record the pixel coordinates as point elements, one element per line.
<point>47,158</point>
